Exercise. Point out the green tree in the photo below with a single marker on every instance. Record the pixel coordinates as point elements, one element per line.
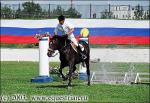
<point>138,13</point>
<point>44,14</point>
<point>148,13</point>
<point>31,9</point>
<point>18,12</point>
<point>58,11</point>
<point>73,13</point>
<point>6,12</point>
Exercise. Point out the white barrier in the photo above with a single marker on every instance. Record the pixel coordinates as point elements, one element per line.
<point>43,62</point>
<point>109,77</point>
<point>142,78</point>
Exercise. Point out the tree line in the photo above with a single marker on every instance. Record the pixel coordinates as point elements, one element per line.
<point>32,10</point>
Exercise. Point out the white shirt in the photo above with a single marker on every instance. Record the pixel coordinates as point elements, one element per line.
<point>65,28</point>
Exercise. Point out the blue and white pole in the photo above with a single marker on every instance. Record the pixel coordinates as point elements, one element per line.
<point>82,70</point>
<point>43,62</point>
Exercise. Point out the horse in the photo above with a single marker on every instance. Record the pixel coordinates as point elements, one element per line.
<point>68,56</point>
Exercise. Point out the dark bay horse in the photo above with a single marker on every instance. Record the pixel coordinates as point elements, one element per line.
<point>68,56</point>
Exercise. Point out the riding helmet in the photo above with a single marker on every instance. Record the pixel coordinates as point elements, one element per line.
<point>61,17</point>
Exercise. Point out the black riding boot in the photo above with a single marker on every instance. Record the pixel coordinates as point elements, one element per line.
<point>83,56</point>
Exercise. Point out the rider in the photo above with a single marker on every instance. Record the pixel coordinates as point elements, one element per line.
<point>67,29</point>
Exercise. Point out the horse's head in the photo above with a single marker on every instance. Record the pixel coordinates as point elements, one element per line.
<point>56,43</point>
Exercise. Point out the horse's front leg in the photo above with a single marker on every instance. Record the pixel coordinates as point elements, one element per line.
<point>60,71</point>
<point>70,74</point>
<point>74,68</point>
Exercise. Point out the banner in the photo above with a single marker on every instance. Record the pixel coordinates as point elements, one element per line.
<point>100,31</point>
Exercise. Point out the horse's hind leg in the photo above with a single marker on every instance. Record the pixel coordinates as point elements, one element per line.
<point>88,71</point>
<point>74,68</point>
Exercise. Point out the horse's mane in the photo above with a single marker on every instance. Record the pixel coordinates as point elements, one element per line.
<point>62,38</point>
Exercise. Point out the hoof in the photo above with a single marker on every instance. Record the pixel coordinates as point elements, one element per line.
<point>64,79</point>
<point>88,84</point>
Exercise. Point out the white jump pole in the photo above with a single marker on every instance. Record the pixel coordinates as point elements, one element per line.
<point>43,58</point>
<point>43,62</point>
<point>82,70</point>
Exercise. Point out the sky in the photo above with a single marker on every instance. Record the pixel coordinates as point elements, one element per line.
<point>79,2</point>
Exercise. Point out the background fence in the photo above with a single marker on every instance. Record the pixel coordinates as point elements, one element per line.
<point>105,55</point>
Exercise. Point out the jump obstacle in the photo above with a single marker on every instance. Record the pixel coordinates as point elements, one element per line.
<point>82,70</point>
<point>43,62</point>
<point>97,77</point>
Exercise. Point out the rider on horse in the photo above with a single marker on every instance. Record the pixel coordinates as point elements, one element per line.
<point>67,29</point>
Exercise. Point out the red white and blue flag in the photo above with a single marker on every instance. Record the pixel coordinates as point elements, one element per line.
<point>101,31</point>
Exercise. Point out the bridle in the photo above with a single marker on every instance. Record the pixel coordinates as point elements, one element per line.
<point>52,50</point>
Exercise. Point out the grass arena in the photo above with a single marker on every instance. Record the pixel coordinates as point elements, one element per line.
<point>15,79</point>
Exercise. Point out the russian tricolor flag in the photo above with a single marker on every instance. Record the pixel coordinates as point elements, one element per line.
<point>101,31</point>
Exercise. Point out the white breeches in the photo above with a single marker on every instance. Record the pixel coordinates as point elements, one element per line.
<point>73,39</point>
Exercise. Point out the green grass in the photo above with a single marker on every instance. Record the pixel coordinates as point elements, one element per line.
<point>16,76</point>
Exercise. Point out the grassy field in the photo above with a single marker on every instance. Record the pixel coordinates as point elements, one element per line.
<point>16,76</point>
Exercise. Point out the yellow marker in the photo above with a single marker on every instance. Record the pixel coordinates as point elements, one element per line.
<point>84,32</point>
